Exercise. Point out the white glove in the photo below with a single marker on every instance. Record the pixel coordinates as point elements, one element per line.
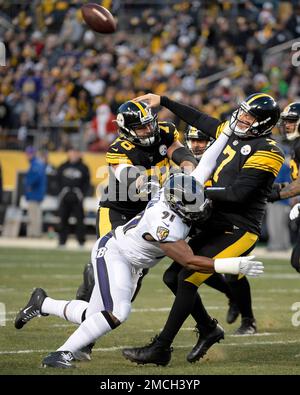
<point>227,130</point>
<point>249,267</point>
<point>294,213</point>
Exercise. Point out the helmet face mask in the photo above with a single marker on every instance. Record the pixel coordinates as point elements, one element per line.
<point>290,121</point>
<point>185,196</point>
<point>255,117</point>
<point>137,123</point>
<point>197,142</point>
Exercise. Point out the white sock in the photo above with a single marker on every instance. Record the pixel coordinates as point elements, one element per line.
<point>93,327</point>
<point>70,310</point>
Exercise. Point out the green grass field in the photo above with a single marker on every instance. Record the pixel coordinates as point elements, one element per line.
<point>274,350</point>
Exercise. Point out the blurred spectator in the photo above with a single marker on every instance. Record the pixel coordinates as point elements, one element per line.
<point>59,70</point>
<point>103,129</point>
<point>35,184</point>
<point>74,182</point>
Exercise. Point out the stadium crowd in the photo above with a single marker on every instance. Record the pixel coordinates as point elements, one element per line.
<point>61,77</point>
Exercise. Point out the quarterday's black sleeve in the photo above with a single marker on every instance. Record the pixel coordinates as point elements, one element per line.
<point>191,116</point>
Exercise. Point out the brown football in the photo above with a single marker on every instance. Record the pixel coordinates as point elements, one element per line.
<point>98,18</point>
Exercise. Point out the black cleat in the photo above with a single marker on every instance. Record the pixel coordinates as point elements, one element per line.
<point>32,309</point>
<point>248,327</point>
<point>59,359</point>
<point>155,352</point>
<point>232,313</point>
<point>205,342</point>
<point>84,354</point>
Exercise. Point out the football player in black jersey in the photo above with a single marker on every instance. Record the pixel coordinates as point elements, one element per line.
<point>290,128</point>
<point>138,161</point>
<point>198,142</point>
<point>240,185</point>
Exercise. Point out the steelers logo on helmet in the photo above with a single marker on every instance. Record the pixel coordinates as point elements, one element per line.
<point>138,124</point>
<point>256,116</point>
<point>289,124</point>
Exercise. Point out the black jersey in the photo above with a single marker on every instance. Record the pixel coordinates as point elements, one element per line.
<point>152,158</point>
<point>295,159</point>
<point>246,169</point>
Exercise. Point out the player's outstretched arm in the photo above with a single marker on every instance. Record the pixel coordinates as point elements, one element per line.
<point>181,252</point>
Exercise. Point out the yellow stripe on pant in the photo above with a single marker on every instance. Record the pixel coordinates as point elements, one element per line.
<point>234,250</point>
<point>104,223</point>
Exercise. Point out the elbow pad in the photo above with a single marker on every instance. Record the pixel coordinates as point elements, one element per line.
<point>182,154</point>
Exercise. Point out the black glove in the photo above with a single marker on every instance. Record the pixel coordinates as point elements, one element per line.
<point>275,193</point>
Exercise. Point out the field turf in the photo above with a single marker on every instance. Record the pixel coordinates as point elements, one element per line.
<point>274,350</point>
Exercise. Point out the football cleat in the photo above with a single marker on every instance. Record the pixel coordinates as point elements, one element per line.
<point>155,352</point>
<point>32,309</point>
<point>248,327</point>
<point>205,342</point>
<point>84,354</point>
<point>59,359</point>
<point>232,313</point>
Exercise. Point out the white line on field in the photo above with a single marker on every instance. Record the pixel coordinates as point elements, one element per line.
<point>110,349</point>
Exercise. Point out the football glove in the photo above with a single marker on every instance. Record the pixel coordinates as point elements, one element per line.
<point>294,213</point>
<point>249,267</point>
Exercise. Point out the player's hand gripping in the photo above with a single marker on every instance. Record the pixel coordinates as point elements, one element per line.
<point>250,267</point>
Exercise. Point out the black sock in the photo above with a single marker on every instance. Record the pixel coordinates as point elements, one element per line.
<point>242,294</point>
<point>187,301</point>
<point>218,282</point>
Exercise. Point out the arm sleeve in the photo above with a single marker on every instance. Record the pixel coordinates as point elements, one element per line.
<point>243,188</point>
<point>208,161</point>
<point>191,116</point>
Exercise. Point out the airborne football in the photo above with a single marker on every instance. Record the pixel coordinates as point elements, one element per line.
<point>98,18</point>
<point>149,190</point>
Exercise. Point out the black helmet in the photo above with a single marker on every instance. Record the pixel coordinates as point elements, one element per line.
<point>185,195</point>
<point>193,133</point>
<point>291,114</point>
<point>136,115</point>
<point>263,108</point>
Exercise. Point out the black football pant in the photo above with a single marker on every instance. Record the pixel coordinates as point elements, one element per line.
<point>224,244</point>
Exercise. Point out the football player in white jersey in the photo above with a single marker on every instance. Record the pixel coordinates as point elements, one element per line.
<point>119,256</point>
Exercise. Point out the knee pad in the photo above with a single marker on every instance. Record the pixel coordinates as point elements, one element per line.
<point>295,259</point>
